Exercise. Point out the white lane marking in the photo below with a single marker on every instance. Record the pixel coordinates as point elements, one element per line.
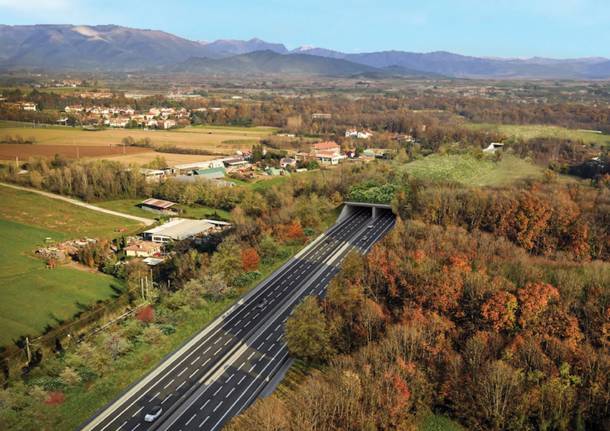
<point>216,408</point>
<point>166,398</point>
<point>251,368</point>
<point>136,413</point>
<point>230,392</point>
<point>136,427</point>
<point>230,377</point>
<point>216,352</point>
<point>122,425</point>
<point>156,395</point>
<point>170,382</point>
<point>205,404</point>
<point>217,390</point>
<point>193,373</point>
<point>191,419</point>
<point>195,360</point>
<point>241,380</point>
<point>181,384</point>
<point>204,421</point>
<point>183,370</point>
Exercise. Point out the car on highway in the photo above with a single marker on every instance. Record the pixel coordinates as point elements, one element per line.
<point>153,414</point>
<point>262,304</point>
<point>370,226</point>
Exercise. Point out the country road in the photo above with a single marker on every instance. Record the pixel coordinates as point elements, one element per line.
<point>146,221</point>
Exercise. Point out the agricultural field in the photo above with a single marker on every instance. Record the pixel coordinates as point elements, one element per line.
<point>61,217</point>
<point>220,140</point>
<point>32,296</point>
<point>543,131</point>
<point>469,170</point>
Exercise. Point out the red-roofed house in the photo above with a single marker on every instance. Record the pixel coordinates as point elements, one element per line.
<point>328,152</point>
<point>158,205</point>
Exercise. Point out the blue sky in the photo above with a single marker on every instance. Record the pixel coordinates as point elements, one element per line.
<point>506,28</point>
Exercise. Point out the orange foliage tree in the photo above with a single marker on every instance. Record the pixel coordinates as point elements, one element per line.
<point>250,259</point>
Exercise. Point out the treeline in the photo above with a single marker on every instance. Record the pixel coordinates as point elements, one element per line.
<point>544,219</point>
<point>461,323</point>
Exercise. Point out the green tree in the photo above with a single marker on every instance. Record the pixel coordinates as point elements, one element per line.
<point>307,335</point>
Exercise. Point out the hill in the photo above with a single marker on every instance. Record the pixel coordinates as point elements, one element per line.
<point>266,62</point>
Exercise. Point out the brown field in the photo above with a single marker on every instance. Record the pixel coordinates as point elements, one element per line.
<point>224,140</point>
<point>25,151</point>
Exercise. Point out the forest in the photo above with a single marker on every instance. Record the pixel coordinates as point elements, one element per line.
<point>490,307</point>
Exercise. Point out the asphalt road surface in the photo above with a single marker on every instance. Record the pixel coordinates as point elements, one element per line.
<point>222,369</point>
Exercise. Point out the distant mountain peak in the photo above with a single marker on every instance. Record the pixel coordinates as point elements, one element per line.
<point>116,48</point>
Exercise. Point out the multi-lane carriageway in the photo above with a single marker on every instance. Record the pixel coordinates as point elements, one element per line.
<point>222,369</point>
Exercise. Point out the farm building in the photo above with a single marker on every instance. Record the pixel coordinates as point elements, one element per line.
<point>210,173</point>
<point>143,249</point>
<point>187,168</point>
<point>179,229</point>
<point>158,206</point>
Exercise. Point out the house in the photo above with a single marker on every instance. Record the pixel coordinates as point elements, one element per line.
<point>327,153</point>
<point>179,229</point>
<point>329,157</point>
<point>321,116</point>
<point>74,108</point>
<point>152,175</point>
<point>288,161</point>
<point>493,147</point>
<point>120,122</point>
<point>28,106</point>
<point>143,249</point>
<point>327,146</point>
<point>158,206</point>
<point>166,124</point>
<point>355,133</point>
<point>210,173</point>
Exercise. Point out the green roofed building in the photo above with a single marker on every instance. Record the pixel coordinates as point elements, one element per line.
<point>211,173</point>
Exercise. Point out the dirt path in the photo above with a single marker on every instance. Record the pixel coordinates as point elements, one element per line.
<point>146,221</point>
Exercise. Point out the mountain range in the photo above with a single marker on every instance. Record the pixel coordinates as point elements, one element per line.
<point>116,48</point>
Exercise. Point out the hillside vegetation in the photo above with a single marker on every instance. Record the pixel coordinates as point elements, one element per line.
<point>469,170</point>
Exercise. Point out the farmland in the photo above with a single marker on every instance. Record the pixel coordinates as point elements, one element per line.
<point>31,296</point>
<point>106,144</point>
<point>469,170</point>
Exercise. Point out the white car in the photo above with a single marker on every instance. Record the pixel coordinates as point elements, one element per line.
<point>153,414</point>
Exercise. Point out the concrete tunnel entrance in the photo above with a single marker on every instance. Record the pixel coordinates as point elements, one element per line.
<point>350,207</point>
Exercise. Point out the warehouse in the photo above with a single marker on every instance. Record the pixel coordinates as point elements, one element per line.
<point>179,229</point>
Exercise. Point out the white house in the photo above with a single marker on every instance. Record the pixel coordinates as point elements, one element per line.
<point>493,147</point>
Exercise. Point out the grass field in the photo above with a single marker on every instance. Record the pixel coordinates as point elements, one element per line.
<point>46,213</point>
<point>469,170</point>
<point>538,131</point>
<point>439,423</point>
<point>31,296</point>
<point>129,206</point>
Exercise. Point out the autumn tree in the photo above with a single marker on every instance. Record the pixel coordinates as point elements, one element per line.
<point>306,335</point>
<point>249,259</point>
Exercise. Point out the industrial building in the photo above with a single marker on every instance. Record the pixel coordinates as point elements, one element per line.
<point>179,229</point>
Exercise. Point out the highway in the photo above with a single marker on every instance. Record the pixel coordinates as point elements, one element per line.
<point>222,369</point>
